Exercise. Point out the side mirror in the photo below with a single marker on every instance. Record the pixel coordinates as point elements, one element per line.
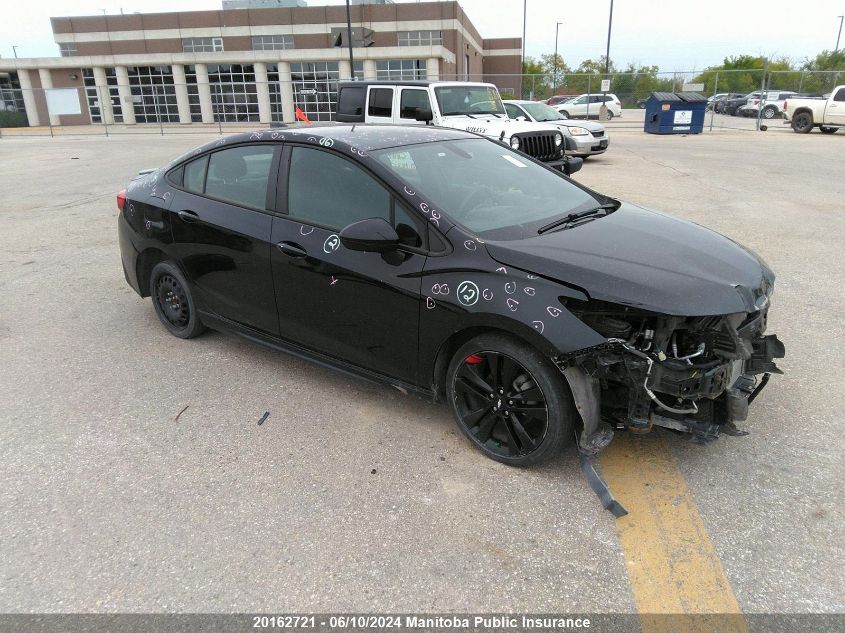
<point>572,164</point>
<point>521,118</point>
<point>372,235</point>
<point>424,114</point>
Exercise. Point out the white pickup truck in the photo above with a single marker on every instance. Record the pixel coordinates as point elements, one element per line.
<point>805,113</point>
<point>474,107</point>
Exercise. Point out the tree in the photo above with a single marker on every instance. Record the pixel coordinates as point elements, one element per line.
<point>535,82</point>
<point>550,68</point>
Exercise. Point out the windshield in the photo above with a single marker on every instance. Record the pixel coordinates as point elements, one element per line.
<point>542,112</point>
<point>484,186</point>
<point>468,100</point>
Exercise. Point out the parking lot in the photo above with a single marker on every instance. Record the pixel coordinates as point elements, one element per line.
<point>136,478</point>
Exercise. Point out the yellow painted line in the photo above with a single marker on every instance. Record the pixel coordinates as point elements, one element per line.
<point>672,566</point>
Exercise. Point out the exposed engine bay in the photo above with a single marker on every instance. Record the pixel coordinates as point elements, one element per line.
<point>691,374</point>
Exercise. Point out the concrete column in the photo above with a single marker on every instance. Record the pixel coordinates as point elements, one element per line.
<point>180,83</point>
<point>432,69</point>
<point>127,106</point>
<point>28,98</point>
<point>345,69</point>
<point>262,89</point>
<point>369,70</point>
<point>286,85</point>
<point>204,90</point>
<point>102,85</point>
<point>47,83</point>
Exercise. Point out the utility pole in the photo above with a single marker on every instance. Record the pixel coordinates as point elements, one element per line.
<point>15,51</point>
<point>522,57</point>
<point>607,52</point>
<point>554,80</point>
<point>349,40</point>
<point>836,50</point>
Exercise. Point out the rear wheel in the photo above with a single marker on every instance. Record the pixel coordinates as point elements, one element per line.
<point>564,114</point>
<point>802,122</point>
<point>608,116</point>
<point>828,130</point>
<point>173,302</point>
<point>769,112</point>
<point>510,400</point>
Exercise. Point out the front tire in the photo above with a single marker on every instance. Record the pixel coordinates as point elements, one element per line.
<point>510,400</point>
<point>173,302</point>
<point>802,122</point>
<point>608,116</point>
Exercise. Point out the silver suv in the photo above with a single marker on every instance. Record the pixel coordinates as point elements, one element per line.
<point>582,138</point>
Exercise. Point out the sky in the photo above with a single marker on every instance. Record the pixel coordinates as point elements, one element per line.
<point>676,35</point>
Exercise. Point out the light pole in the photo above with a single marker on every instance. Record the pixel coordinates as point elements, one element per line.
<point>554,80</point>
<point>522,57</point>
<point>15,51</point>
<point>836,50</point>
<point>607,52</point>
<point>349,40</point>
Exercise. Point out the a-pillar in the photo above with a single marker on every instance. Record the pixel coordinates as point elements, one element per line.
<point>204,90</point>
<point>262,90</point>
<point>127,106</point>
<point>46,84</point>
<point>28,97</point>
<point>432,69</point>
<point>180,83</point>
<point>286,86</point>
<point>103,96</point>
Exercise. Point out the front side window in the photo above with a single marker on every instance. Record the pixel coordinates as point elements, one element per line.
<point>412,102</point>
<point>330,191</point>
<point>491,190</point>
<point>840,95</point>
<point>240,175</point>
<point>468,100</point>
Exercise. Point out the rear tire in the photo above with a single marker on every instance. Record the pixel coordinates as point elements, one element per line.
<point>608,116</point>
<point>802,122</point>
<point>828,130</point>
<point>769,112</point>
<point>564,114</point>
<point>509,400</point>
<point>173,302</point>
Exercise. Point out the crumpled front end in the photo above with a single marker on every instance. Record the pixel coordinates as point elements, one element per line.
<point>692,374</point>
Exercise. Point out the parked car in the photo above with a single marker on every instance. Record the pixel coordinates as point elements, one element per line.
<point>462,105</point>
<point>721,100</point>
<point>588,106</point>
<point>581,138</point>
<point>771,104</point>
<point>732,105</point>
<point>827,114</point>
<point>448,265</point>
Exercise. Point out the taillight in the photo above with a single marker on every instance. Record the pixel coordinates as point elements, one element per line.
<point>617,103</point>
<point>784,104</point>
<point>121,199</point>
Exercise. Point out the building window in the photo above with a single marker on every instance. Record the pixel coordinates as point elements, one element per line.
<point>404,69</point>
<point>11,95</point>
<point>466,67</point>
<point>202,44</point>
<point>275,90</point>
<point>93,95</point>
<point>233,93</point>
<point>272,42</point>
<point>315,89</point>
<point>358,71</point>
<point>67,49</point>
<point>153,94</point>
<point>420,38</point>
<point>193,94</point>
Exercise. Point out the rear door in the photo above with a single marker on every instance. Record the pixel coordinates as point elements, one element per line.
<point>380,104</point>
<point>410,102</point>
<point>359,307</point>
<point>222,221</point>
<point>835,110</point>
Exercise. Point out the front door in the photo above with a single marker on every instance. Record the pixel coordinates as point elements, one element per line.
<point>221,233</point>
<point>360,307</point>
<point>835,112</point>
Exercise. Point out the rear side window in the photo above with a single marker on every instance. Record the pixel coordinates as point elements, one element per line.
<point>351,101</point>
<point>411,102</point>
<point>194,179</point>
<point>840,95</point>
<point>381,102</point>
<point>240,175</point>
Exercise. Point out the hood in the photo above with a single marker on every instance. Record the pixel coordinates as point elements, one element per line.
<point>647,260</point>
<point>592,126</point>
<point>489,125</point>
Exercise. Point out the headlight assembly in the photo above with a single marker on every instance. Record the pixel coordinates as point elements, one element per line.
<point>558,140</point>
<point>514,142</point>
<point>578,131</point>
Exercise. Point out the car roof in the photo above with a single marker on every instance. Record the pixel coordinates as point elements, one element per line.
<point>412,83</point>
<point>362,137</point>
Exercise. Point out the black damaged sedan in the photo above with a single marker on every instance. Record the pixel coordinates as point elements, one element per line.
<point>451,266</point>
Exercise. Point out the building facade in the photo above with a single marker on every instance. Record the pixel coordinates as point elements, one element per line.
<point>247,64</point>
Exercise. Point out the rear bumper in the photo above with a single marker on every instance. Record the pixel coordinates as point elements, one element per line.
<point>128,254</point>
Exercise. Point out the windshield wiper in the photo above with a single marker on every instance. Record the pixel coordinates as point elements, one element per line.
<point>570,219</point>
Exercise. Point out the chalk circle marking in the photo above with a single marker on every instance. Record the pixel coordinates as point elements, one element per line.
<point>468,293</point>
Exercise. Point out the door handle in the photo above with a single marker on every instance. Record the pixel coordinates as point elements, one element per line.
<point>291,249</point>
<point>188,216</point>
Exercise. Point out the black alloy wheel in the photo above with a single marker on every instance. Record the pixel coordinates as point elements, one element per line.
<point>510,401</point>
<point>173,302</point>
<point>802,122</point>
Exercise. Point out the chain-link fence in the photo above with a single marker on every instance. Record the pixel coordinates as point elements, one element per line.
<point>160,104</point>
